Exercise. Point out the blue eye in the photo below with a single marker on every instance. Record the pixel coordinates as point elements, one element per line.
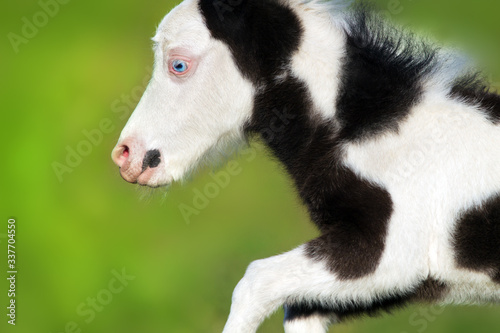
<point>179,66</point>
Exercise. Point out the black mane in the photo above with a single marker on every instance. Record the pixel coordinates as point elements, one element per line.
<point>382,76</point>
<point>474,90</point>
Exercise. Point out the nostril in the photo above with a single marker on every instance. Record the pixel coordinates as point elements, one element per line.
<point>151,159</point>
<point>125,151</point>
<point>121,154</point>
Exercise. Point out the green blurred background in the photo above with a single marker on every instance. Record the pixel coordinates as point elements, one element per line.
<point>88,64</point>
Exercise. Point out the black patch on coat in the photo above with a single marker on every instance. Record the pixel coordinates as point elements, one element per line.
<point>477,238</point>
<point>351,212</point>
<point>151,159</point>
<point>261,34</point>
<point>357,212</point>
<point>381,78</point>
<point>430,290</point>
<point>303,310</point>
<point>473,90</point>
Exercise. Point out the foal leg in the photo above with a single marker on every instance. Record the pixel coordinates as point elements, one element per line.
<point>294,278</point>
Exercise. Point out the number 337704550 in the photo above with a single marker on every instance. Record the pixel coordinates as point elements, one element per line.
<point>11,255</point>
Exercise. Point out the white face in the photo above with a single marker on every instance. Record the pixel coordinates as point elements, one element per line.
<point>196,101</point>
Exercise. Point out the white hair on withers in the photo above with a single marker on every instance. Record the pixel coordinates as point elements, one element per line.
<point>390,141</point>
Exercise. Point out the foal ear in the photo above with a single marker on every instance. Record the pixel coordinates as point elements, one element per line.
<point>262,36</point>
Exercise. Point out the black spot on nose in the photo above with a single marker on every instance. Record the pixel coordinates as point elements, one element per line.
<point>151,160</point>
